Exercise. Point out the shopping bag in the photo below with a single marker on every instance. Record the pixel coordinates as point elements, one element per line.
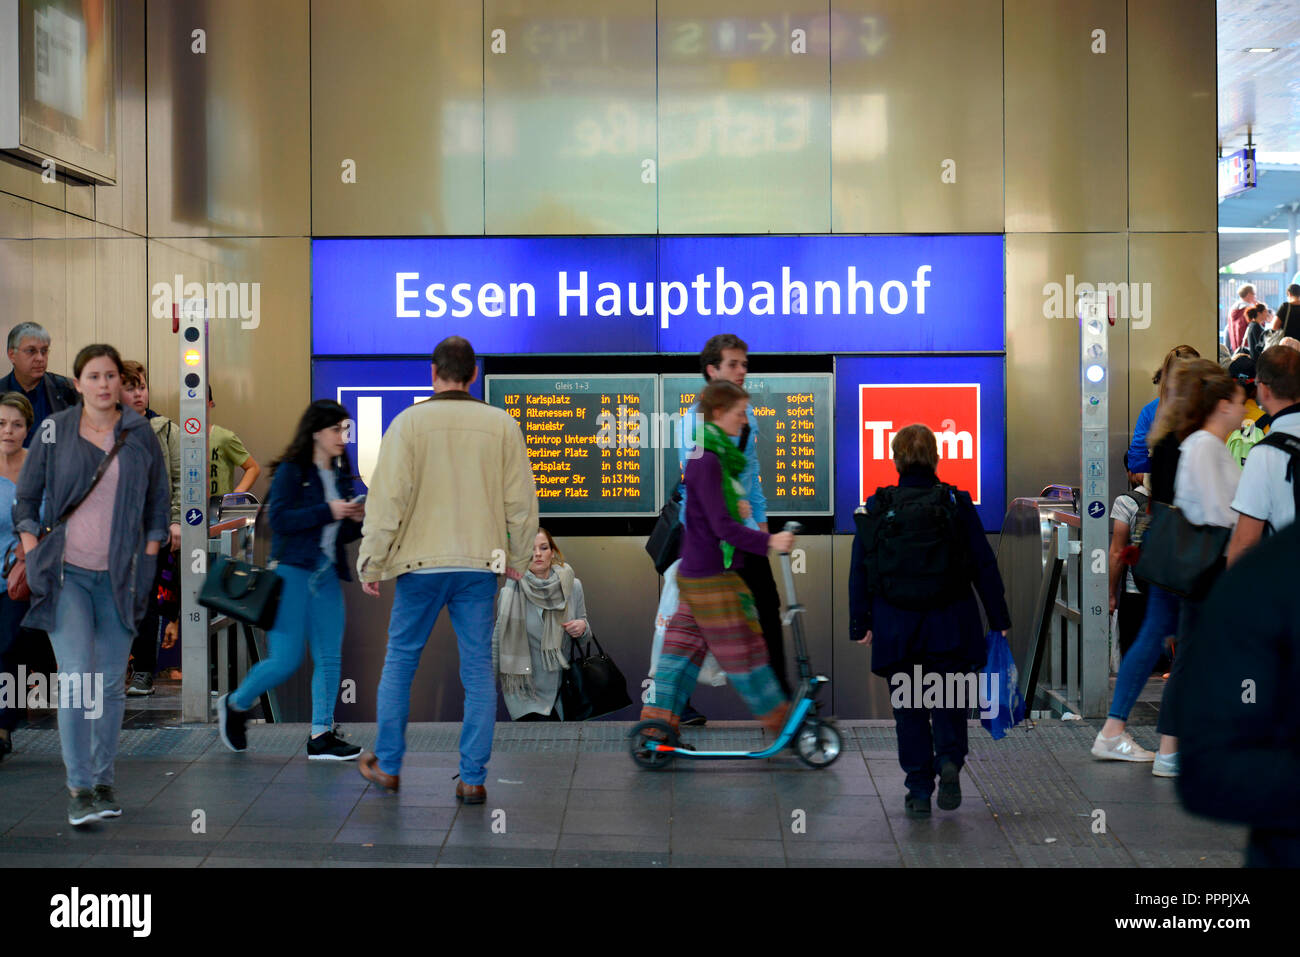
<point>710,672</point>
<point>1001,683</point>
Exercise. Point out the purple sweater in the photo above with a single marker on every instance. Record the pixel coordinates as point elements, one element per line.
<point>708,523</point>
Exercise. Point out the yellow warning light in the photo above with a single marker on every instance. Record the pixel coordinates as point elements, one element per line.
<point>192,357</point>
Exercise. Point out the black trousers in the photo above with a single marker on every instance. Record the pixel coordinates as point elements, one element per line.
<point>920,752</point>
<point>148,632</point>
<point>756,573</point>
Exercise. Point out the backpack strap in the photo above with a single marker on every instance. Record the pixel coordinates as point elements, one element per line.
<point>1290,444</point>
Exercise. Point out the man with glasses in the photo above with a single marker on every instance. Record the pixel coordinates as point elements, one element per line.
<point>29,351</point>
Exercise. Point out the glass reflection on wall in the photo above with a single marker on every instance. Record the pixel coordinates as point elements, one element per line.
<point>744,101</point>
<point>569,103</point>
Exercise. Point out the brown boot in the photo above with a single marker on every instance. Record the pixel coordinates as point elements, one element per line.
<point>470,793</point>
<point>369,768</point>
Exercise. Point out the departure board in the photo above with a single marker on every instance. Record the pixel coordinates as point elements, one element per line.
<point>795,433</point>
<point>591,440</point>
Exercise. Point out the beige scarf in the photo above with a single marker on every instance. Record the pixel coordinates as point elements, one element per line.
<point>512,660</point>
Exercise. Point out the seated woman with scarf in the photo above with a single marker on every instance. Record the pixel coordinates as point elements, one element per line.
<point>716,611</point>
<point>535,612</point>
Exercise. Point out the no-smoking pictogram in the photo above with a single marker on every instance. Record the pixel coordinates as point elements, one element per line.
<point>192,426</point>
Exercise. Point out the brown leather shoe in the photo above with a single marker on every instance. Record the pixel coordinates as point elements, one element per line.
<point>470,793</point>
<point>368,765</point>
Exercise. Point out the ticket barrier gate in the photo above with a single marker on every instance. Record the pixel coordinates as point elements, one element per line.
<point>233,646</point>
<point>1039,557</point>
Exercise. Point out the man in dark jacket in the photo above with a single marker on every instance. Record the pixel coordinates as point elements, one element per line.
<point>946,639</point>
<point>29,352</point>
<point>1239,730</point>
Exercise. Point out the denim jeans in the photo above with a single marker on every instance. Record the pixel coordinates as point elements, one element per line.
<point>469,597</point>
<point>89,638</point>
<point>1161,622</point>
<point>311,613</point>
<point>1189,614</point>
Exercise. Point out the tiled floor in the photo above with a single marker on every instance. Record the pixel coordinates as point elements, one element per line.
<point>569,796</point>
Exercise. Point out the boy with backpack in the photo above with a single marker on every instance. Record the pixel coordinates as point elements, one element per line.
<point>918,550</point>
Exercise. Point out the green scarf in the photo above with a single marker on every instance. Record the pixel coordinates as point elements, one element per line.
<point>733,463</point>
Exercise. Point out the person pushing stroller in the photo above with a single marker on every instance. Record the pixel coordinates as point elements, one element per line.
<point>716,610</point>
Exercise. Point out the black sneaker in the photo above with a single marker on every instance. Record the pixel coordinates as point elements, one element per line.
<point>917,805</point>
<point>330,746</point>
<point>949,786</point>
<point>105,800</point>
<point>141,684</point>
<point>692,718</point>
<point>81,808</point>
<point>6,743</point>
<point>231,724</point>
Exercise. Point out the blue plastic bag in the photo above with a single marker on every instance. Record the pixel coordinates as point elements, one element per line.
<point>1000,685</point>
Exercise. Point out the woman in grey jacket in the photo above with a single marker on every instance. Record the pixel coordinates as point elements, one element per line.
<point>90,574</point>
<point>537,612</point>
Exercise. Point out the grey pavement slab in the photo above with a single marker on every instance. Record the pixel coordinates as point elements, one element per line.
<point>569,796</point>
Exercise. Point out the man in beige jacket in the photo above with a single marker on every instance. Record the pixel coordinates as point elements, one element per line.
<point>450,506</point>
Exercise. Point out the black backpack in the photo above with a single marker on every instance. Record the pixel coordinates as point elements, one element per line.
<point>917,556</point>
<point>1289,444</point>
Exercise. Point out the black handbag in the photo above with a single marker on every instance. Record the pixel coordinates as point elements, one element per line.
<point>1178,556</point>
<point>592,685</point>
<point>665,542</point>
<point>244,592</point>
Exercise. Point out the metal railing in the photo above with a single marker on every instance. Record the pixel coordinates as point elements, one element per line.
<point>233,646</point>
<point>1039,558</point>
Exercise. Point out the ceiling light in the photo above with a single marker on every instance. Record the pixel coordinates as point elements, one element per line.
<point>1261,49</point>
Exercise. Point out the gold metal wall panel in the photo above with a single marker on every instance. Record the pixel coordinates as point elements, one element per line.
<point>261,375</point>
<point>121,291</point>
<point>19,178</point>
<point>1043,396</point>
<point>79,198</point>
<point>1182,271</point>
<point>123,205</point>
<point>855,691</point>
<point>569,114</point>
<point>17,260</point>
<point>1172,103</point>
<point>82,329</point>
<point>401,97</point>
<point>1066,126</point>
<point>914,85</point>
<point>228,130</point>
<point>15,218</point>
<point>48,304</point>
<point>744,120</point>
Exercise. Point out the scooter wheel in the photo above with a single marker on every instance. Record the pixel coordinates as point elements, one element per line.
<point>645,736</point>
<point>818,744</point>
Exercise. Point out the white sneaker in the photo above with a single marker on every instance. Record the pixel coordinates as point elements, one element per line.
<point>1122,747</point>
<point>1166,766</point>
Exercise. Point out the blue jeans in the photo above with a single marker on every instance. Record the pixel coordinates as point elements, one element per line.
<point>1161,622</point>
<point>469,597</point>
<point>311,613</point>
<point>90,638</point>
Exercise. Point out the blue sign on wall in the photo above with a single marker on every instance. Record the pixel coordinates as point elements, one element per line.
<point>963,400</point>
<point>602,295</point>
<point>375,391</point>
<point>837,293</point>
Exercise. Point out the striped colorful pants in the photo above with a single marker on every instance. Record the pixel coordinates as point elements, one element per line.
<point>715,614</point>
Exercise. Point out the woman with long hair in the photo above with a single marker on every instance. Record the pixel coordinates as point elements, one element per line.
<point>1193,471</point>
<point>535,613</point>
<point>716,611</point>
<point>312,518</point>
<point>99,470</point>
<point>16,419</point>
